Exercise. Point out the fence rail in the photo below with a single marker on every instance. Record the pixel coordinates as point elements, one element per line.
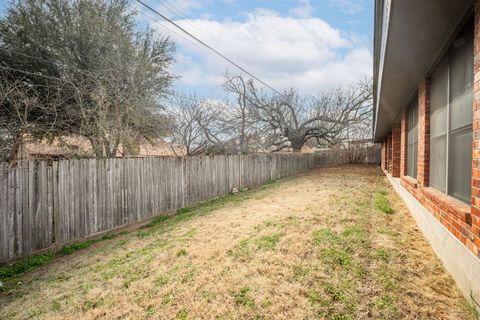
<point>46,205</point>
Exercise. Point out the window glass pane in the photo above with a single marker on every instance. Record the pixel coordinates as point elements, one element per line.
<point>438,152</point>
<point>412,139</point>
<point>439,100</point>
<point>414,165</point>
<point>461,80</point>
<point>461,113</point>
<point>460,159</point>
<point>410,163</point>
<point>438,126</point>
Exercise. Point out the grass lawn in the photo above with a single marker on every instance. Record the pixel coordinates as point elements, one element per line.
<point>336,243</point>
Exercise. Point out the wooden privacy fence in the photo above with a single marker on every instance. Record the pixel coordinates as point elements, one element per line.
<point>49,205</point>
<point>341,156</point>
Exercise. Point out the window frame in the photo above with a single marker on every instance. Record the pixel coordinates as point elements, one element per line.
<point>449,132</point>
<point>412,160</point>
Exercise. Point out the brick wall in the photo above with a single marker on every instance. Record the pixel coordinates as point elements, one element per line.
<point>384,155</point>
<point>475,210</point>
<point>403,143</point>
<point>423,165</point>
<point>389,153</point>
<point>459,218</point>
<point>396,150</point>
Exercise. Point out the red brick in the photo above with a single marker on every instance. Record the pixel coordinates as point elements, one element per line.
<point>396,151</point>
<point>423,133</point>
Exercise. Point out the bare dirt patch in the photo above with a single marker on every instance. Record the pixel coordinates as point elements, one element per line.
<point>316,246</point>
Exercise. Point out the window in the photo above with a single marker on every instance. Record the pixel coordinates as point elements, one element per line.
<point>451,99</point>
<point>412,144</point>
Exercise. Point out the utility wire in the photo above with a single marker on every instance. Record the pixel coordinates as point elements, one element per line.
<point>149,15</point>
<point>207,46</point>
<point>197,27</point>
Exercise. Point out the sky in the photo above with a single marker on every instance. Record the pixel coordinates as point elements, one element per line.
<point>310,45</point>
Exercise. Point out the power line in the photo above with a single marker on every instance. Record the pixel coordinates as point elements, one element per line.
<point>161,24</point>
<point>197,27</point>
<point>207,46</point>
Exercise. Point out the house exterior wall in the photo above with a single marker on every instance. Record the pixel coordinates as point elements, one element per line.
<point>475,209</point>
<point>461,219</point>
<point>452,226</point>
<point>383,162</point>
<point>396,151</point>
<point>403,143</point>
<point>389,153</point>
<point>423,133</point>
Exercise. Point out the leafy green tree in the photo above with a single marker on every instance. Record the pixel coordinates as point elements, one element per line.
<point>102,76</point>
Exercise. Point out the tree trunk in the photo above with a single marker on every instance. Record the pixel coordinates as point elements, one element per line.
<point>297,145</point>
<point>17,142</point>
<point>97,147</point>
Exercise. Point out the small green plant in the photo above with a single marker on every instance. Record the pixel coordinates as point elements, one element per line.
<point>157,220</point>
<point>336,256</point>
<point>20,267</point>
<point>241,250</point>
<point>382,254</point>
<point>471,309</point>
<point>243,298</point>
<point>324,235</point>
<point>56,305</point>
<point>92,304</point>
<point>385,303</point>
<point>108,236</point>
<point>161,281</point>
<point>182,315</point>
<point>184,210</point>
<point>181,252</point>
<point>76,246</point>
<point>269,242</point>
<point>314,296</point>
<point>382,203</point>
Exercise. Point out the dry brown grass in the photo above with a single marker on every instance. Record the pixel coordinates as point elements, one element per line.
<point>311,247</point>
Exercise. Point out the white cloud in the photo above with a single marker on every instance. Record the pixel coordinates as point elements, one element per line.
<point>304,9</point>
<point>284,51</point>
<point>185,6</point>
<point>348,6</point>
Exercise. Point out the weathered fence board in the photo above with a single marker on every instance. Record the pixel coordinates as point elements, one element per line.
<point>45,205</point>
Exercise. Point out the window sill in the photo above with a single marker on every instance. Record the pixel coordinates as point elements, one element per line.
<point>410,181</point>
<point>450,204</point>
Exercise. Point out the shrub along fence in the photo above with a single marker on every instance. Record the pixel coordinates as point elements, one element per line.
<point>342,156</point>
<point>47,205</point>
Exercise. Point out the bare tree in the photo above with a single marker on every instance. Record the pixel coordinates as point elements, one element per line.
<point>22,114</point>
<point>356,139</point>
<point>239,120</point>
<point>290,120</point>
<point>197,125</point>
